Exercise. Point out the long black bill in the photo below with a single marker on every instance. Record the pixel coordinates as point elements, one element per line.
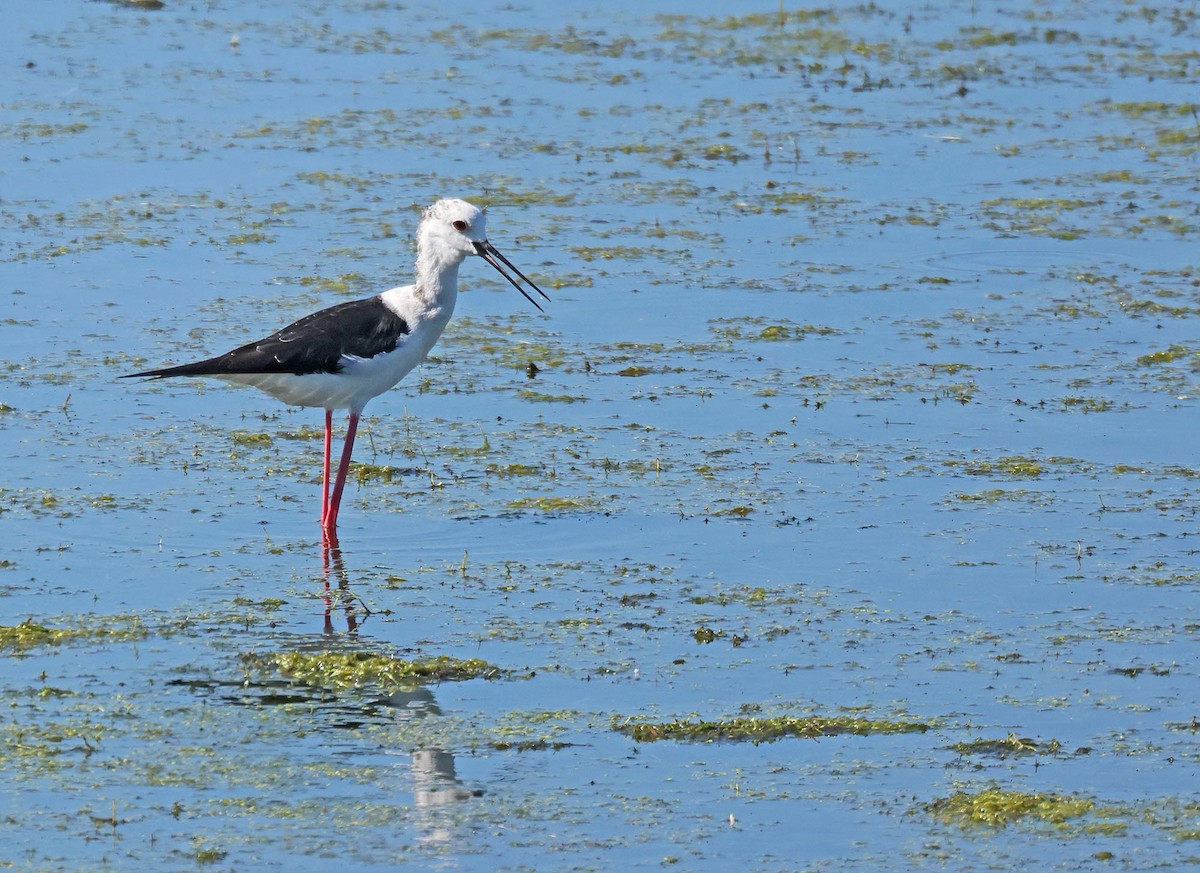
<point>490,253</point>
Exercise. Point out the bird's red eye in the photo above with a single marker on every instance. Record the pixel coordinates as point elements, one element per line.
<point>459,225</point>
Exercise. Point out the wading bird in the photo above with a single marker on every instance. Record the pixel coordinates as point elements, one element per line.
<point>341,357</point>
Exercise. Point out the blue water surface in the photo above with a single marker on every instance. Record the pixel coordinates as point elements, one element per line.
<point>873,352</point>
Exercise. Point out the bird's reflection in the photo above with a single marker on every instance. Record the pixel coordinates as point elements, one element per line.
<point>435,783</point>
<point>333,566</point>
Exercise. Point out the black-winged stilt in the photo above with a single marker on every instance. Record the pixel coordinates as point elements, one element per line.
<point>341,357</point>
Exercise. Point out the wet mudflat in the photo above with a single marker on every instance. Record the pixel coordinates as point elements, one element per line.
<point>840,513</point>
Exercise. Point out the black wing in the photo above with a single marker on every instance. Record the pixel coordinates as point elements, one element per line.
<point>314,344</point>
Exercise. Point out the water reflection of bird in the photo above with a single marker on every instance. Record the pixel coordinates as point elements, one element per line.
<point>333,564</point>
<point>435,783</point>
<point>341,357</point>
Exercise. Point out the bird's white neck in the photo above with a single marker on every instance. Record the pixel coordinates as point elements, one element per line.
<point>437,274</point>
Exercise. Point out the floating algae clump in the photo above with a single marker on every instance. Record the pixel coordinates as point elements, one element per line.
<point>27,634</point>
<point>760,730</point>
<point>354,669</point>
<point>998,808</point>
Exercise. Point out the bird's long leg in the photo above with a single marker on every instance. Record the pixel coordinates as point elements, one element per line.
<point>330,520</point>
<point>325,466</point>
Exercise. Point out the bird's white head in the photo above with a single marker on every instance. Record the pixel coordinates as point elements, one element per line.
<point>455,225</point>
<point>453,229</point>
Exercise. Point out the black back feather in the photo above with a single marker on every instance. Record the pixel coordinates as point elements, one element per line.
<point>314,344</point>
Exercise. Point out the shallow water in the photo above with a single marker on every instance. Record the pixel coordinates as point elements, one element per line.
<point>869,388</point>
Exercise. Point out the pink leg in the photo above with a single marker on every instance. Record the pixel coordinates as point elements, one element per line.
<point>329,522</point>
<point>325,467</point>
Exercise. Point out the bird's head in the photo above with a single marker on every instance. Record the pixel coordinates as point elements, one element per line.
<point>459,229</point>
